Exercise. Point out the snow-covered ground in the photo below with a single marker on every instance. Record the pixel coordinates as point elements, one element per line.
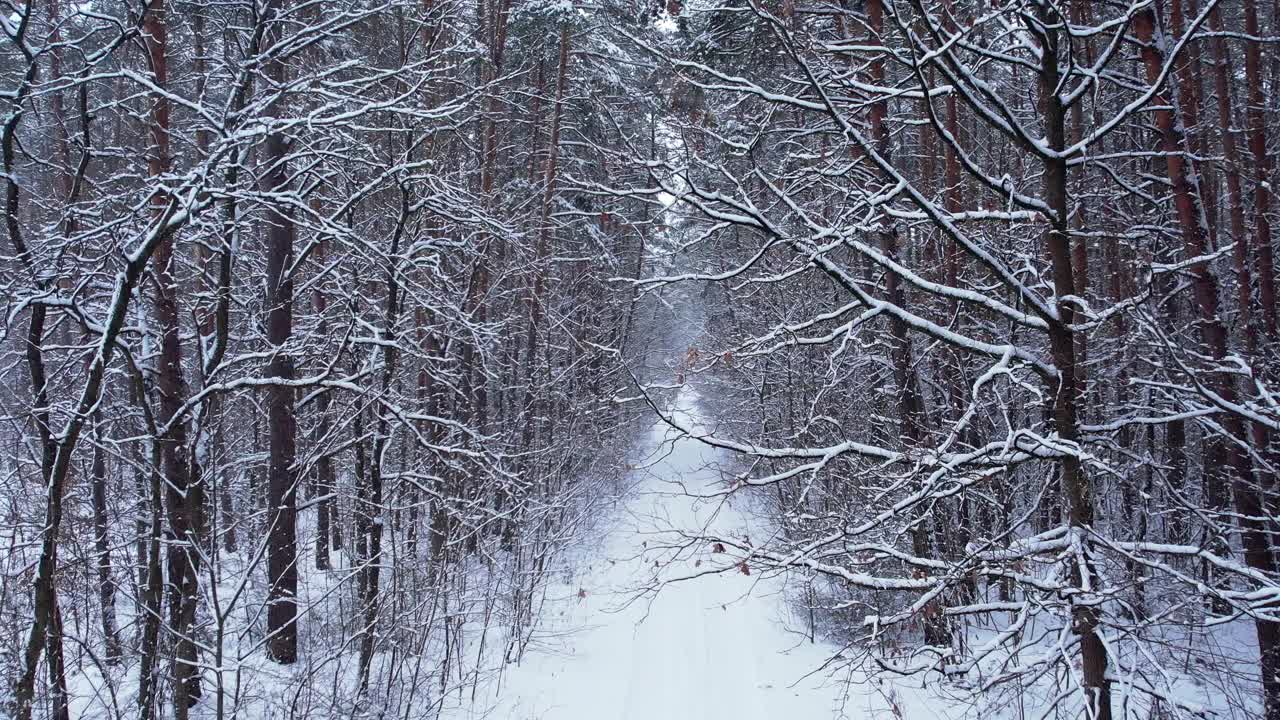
<point>712,643</point>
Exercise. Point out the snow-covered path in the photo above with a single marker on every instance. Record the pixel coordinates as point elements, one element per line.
<point>716,647</point>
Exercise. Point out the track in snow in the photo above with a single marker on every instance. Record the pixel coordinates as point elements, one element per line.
<point>714,647</point>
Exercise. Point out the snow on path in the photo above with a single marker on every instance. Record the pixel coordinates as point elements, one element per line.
<point>712,648</point>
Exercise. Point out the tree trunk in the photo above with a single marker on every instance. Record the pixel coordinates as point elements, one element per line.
<point>1256,109</point>
<point>1248,502</point>
<point>325,480</point>
<point>282,551</point>
<point>102,550</point>
<point>184,498</point>
<point>1076,488</point>
<point>536,299</point>
<point>373,510</point>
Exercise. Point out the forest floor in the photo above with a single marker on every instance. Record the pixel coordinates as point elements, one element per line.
<point>657,627</point>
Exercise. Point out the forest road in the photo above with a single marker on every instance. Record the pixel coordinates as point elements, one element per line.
<point>707,645</point>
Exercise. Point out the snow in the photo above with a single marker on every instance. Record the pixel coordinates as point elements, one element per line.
<point>711,643</point>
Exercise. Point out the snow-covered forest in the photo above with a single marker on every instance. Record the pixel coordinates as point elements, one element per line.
<point>449,359</point>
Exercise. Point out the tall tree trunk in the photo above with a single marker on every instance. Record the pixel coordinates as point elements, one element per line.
<point>1227,454</point>
<point>910,402</point>
<point>282,485</point>
<point>372,501</point>
<point>1076,487</point>
<point>1232,174</point>
<point>102,549</point>
<point>325,480</point>
<point>212,285</point>
<point>1256,109</point>
<point>45,634</point>
<point>152,592</point>
<point>184,498</point>
<point>46,626</point>
<point>536,299</point>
